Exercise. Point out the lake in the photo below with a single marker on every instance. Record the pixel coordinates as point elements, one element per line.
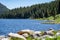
<point>15,25</point>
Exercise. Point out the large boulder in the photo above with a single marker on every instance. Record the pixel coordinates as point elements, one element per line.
<point>26,31</point>
<point>16,35</point>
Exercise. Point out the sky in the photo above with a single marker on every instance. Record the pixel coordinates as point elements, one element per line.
<point>21,3</point>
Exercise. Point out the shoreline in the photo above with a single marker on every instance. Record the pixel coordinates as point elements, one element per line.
<point>50,34</point>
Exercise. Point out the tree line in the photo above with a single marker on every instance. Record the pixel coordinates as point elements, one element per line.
<point>34,11</point>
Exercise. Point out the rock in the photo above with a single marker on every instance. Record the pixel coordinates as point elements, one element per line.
<point>58,33</point>
<point>2,36</point>
<point>26,31</point>
<point>5,39</point>
<point>25,35</point>
<point>44,36</point>
<point>16,35</point>
<point>49,32</point>
<point>37,34</point>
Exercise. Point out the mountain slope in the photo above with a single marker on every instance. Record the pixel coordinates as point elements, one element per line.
<point>3,8</point>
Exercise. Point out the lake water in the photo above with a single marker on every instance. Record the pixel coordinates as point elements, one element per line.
<point>15,25</point>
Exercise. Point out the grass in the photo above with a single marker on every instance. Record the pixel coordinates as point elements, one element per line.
<point>14,38</point>
<point>50,38</point>
<point>29,38</point>
<point>57,38</point>
<point>56,21</point>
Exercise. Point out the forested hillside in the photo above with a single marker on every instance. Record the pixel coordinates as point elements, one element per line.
<point>3,8</point>
<point>34,11</point>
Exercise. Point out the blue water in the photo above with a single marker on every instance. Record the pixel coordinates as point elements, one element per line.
<point>15,25</point>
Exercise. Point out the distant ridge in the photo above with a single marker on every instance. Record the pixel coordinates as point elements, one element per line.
<point>3,8</point>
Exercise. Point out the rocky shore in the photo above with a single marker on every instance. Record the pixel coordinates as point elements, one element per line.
<point>32,35</point>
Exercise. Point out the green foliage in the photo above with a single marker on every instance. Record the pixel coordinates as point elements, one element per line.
<point>49,38</point>
<point>29,38</point>
<point>13,38</point>
<point>58,37</point>
<point>50,18</point>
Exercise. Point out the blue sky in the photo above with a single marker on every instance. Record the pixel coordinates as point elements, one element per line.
<point>21,3</point>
